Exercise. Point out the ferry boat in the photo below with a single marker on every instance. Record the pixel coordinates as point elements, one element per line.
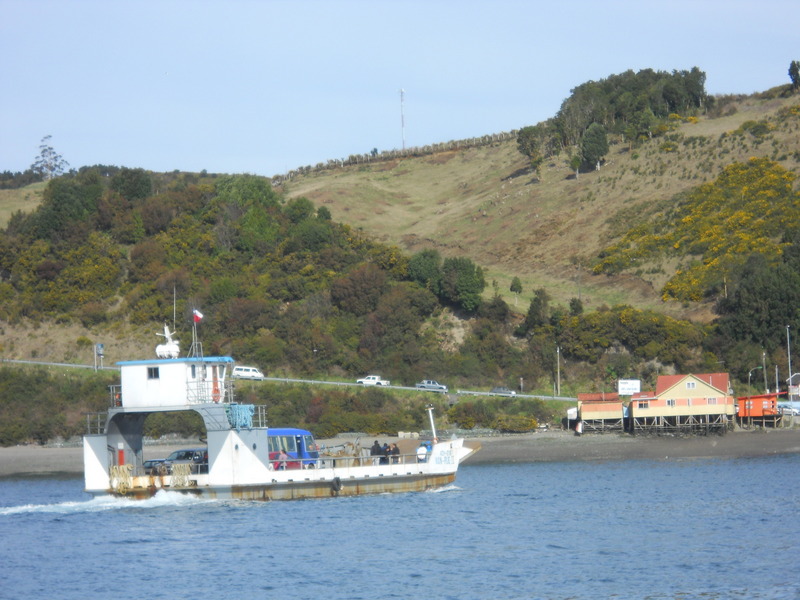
<point>244,458</point>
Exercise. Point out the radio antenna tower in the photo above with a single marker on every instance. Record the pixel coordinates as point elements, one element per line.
<point>402,118</point>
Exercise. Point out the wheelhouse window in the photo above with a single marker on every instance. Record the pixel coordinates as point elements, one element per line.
<point>152,373</point>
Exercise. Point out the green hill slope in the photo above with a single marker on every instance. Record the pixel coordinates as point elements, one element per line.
<point>485,203</point>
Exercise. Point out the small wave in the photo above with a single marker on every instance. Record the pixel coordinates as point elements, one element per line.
<point>104,503</point>
<point>448,488</point>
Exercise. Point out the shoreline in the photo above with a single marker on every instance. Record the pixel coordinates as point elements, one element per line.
<point>549,446</point>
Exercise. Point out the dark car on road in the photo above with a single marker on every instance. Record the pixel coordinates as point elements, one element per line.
<point>502,391</point>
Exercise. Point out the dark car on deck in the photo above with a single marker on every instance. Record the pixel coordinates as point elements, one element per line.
<point>197,457</point>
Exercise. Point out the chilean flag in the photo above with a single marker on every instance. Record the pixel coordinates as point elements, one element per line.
<point>197,315</point>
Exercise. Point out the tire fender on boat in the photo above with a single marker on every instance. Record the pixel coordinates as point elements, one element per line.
<point>336,485</point>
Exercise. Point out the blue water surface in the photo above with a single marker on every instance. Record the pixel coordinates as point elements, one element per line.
<point>710,529</point>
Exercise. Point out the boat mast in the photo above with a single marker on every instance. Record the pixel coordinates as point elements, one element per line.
<point>429,408</point>
<point>196,351</point>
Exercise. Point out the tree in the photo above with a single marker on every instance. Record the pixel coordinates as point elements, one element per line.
<point>594,145</point>
<point>537,312</point>
<point>762,303</point>
<point>575,164</point>
<point>575,307</point>
<point>49,163</point>
<point>794,75</point>
<point>132,184</point>
<point>425,268</point>
<point>516,287</point>
<point>462,282</point>
<point>530,142</point>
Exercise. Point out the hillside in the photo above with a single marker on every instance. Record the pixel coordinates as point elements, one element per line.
<point>481,202</point>
<point>485,203</point>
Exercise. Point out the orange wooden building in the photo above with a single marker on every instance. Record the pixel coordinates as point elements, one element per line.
<point>761,409</point>
<point>684,403</point>
<point>601,412</point>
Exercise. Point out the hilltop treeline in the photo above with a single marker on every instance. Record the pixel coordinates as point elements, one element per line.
<point>632,105</point>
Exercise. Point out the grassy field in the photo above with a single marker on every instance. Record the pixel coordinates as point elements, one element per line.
<point>24,199</point>
<point>486,204</point>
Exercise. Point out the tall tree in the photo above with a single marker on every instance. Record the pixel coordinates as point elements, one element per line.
<point>794,75</point>
<point>49,163</point>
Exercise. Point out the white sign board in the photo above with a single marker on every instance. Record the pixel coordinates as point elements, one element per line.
<point>628,387</point>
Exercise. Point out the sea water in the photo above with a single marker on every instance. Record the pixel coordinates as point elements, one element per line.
<point>710,529</point>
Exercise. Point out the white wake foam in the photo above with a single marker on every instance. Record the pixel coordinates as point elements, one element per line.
<point>103,503</point>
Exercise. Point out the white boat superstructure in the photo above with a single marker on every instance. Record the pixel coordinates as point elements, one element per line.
<point>242,455</point>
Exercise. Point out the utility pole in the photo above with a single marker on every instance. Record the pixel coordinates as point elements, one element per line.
<point>558,370</point>
<point>402,118</point>
<point>789,354</point>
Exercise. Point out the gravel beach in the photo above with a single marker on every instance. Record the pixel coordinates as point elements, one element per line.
<point>548,446</point>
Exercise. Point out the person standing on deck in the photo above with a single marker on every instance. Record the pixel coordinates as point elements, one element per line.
<point>376,452</point>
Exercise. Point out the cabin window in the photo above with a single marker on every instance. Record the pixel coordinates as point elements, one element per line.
<point>152,372</point>
<point>282,442</point>
<point>643,404</point>
<point>671,402</point>
<point>690,385</point>
<point>711,400</point>
<point>309,443</point>
<point>193,372</point>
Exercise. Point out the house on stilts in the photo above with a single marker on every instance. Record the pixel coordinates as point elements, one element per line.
<point>695,403</point>
<point>760,410</point>
<point>601,412</point>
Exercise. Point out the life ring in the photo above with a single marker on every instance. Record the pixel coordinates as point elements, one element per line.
<point>215,395</point>
<point>336,485</point>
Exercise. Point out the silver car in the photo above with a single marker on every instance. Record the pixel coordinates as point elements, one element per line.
<point>502,391</point>
<point>432,385</point>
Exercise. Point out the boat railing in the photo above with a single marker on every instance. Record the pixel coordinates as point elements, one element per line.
<point>96,423</point>
<point>260,415</point>
<point>114,396</point>
<point>366,460</point>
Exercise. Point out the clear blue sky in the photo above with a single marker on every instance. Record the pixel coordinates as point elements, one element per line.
<point>266,86</point>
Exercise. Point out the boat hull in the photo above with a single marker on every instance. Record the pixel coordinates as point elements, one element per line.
<point>147,487</point>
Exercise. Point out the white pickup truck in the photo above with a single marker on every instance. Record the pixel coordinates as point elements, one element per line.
<point>373,380</point>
